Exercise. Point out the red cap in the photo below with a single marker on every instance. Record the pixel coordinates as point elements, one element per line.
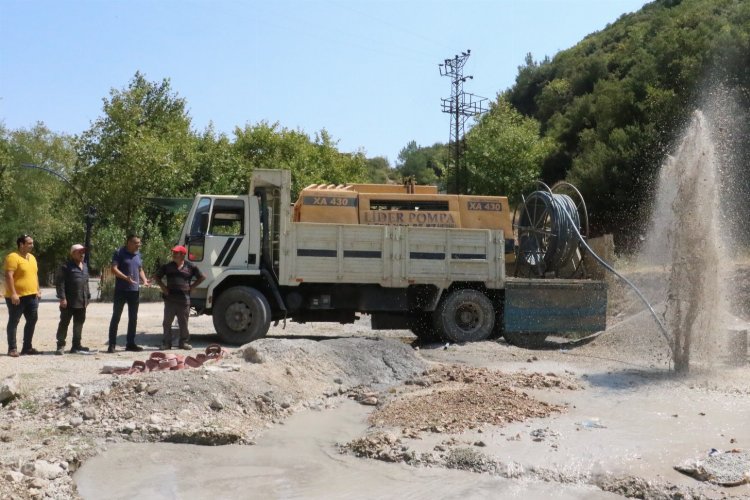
<point>180,249</point>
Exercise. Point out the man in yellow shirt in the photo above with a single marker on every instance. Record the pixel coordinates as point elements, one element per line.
<point>22,294</point>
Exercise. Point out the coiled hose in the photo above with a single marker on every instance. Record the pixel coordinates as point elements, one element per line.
<point>547,230</point>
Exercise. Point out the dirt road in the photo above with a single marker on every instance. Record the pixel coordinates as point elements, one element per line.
<point>600,420</point>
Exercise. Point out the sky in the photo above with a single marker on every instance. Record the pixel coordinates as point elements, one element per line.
<point>364,70</point>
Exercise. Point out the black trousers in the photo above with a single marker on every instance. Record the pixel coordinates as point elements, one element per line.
<point>181,310</point>
<point>79,316</point>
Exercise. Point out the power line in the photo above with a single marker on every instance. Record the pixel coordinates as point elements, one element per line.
<point>461,105</point>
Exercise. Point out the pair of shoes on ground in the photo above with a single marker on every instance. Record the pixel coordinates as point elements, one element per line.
<point>184,346</point>
<point>130,347</point>
<point>29,352</point>
<point>73,350</point>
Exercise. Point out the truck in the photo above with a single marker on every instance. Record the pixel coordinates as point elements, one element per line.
<point>414,260</point>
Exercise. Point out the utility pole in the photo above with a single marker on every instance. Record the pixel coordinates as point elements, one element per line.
<point>461,106</point>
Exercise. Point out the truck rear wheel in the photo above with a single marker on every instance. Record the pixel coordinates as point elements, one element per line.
<point>465,316</point>
<point>241,315</point>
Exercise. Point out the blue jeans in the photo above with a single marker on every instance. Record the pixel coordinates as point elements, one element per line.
<point>28,308</point>
<point>122,297</point>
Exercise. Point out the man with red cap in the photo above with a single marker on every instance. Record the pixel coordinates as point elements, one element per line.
<point>182,277</point>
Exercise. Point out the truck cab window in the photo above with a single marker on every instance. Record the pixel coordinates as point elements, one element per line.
<point>228,218</point>
<point>200,219</point>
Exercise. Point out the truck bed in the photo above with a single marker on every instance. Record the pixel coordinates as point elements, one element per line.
<point>391,256</point>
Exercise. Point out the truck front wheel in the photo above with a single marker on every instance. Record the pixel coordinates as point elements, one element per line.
<point>241,314</point>
<point>465,316</point>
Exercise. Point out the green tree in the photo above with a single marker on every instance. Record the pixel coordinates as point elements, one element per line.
<point>504,152</point>
<point>424,164</point>
<point>142,146</point>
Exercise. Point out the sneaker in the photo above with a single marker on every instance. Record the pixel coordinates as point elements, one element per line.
<point>111,348</point>
<point>29,352</point>
<point>60,351</point>
<point>133,348</point>
<point>186,346</point>
<point>80,348</point>
<point>13,353</point>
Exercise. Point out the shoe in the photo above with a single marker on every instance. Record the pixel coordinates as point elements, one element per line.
<point>60,351</point>
<point>29,352</point>
<point>13,353</point>
<point>133,348</point>
<point>80,348</point>
<point>166,347</point>
<point>185,346</point>
<point>111,349</point>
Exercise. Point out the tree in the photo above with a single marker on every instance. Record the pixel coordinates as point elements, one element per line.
<point>504,152</point>
<point>142,146</point>
<point>424,164</point>
<point>33,201</point>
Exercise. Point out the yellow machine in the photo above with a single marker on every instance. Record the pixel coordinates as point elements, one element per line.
<point>401,205</point>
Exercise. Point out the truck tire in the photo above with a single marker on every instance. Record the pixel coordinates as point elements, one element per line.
<point>528,340</point>
<point>465,316</point>
<point>421,325</point>
<point>241,315</point>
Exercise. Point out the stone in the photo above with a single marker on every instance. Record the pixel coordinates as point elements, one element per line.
<point>42,469</point>
<point>76,421</point>
<point>9,389</point>
<point>142,386</point>
<point>89,414</point>
<point>217,404</point>
<point>12,476</point>
<point>39,483</point>
<point>74,390</point>
<point>369,401</point>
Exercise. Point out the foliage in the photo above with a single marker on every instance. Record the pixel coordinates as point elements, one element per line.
<point>142,146</point>
<point>30,196</point>
<point>425,165</point>
<point>505,152</point>
<point>614,103</point>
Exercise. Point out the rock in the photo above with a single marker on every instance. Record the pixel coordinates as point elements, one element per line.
<point>338,380</point>
<point>76,421</point>
<point>42,469</point>
<point>128,428</point>
<point>252,355</point>
<point>369,401</point>
<point>155,419</point>
<point>216,404</point>
<point>9,388</point>
<point>39,483</point>
<point>142,386</point>
<point>114,366</point>
<point>12,476</point>
<point>152,390</point>
<point>89,414</point>
<point>74,390</point>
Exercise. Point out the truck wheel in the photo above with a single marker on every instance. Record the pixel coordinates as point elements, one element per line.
<point>465,316</point>
<point>241,315</point>
<point>421,325</point>
<point>527,340</point>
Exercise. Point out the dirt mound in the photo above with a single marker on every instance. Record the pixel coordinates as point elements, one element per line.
<point>456,398</point>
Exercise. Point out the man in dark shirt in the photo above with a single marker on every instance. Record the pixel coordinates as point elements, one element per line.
<point>72,282</point>
<point>180,275</point>
<point>128,270</point>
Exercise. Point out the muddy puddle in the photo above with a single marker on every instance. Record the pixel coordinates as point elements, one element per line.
<point>296,460</point>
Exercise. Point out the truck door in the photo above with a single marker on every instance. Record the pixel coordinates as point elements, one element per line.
<point>218,238</point>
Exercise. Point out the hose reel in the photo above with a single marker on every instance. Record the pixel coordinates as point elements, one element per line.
<point>547,223</point>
